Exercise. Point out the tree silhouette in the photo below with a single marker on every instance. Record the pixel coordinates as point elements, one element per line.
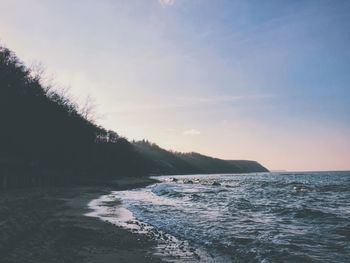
<point>46,139</point>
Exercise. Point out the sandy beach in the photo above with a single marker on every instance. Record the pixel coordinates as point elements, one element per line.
<point>48,225</point>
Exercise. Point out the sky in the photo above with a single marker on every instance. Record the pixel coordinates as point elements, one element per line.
<point>258,80</point>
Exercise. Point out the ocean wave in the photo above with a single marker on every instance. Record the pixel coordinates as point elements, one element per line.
<point>262,218</point>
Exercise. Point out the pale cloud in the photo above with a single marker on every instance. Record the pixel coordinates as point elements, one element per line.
<point>185,102</point>
<point>222,99</point>
<point>166,2</point>
<point>191,132</point>
<point>224,122</point>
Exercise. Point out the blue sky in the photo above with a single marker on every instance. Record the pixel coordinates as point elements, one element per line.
<point>262,80</point>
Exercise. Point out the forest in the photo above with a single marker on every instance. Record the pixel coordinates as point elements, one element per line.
<point>47,139</point>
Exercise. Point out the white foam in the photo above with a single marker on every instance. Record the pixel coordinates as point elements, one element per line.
<point>169,246</point>
<point>145,196</point>
<point>115,214</point>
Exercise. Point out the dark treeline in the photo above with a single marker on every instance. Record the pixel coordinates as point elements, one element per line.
<point>46,140</point>
<point>167,162</point>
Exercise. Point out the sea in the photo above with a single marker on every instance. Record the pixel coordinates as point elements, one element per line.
<point>256,217</point>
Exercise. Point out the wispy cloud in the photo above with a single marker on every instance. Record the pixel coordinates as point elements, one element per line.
<point>188,102</point>
<point>166,2</point>
<point>222,99</point>
<point>191,132</point>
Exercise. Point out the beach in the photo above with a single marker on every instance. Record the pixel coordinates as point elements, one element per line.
<point>49,225</point>
<point>268,217</point>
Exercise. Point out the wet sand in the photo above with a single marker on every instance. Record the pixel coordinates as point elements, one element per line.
<point>48,225</point>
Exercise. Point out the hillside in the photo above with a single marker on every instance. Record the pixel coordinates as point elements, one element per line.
<point>46,139</point>
<point>185,163</point>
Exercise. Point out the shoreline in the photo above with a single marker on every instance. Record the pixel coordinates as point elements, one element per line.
<point>49,225</point>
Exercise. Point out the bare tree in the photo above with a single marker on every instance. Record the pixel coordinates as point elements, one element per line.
<point>88,109</point>
<point>37,72</point>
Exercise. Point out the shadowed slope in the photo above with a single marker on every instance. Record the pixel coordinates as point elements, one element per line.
<point>190,163</point>
<point>46,139</point>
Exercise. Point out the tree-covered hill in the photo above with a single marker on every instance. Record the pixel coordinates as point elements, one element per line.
<point>185,163</point>
<point>45,139</point>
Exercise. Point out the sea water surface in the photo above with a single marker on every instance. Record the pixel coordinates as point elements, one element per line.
<point>265,217</point>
